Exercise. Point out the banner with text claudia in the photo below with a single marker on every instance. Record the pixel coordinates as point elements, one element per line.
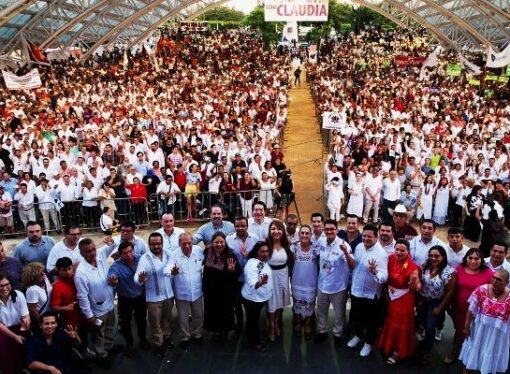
<point>296,10</point>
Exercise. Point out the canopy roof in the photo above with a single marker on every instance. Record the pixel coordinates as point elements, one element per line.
<point>91,23</point>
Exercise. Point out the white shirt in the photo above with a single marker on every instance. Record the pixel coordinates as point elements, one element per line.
<point>391,190</point>
<point>188,283</point>
<point>234,243</point>
<point>140,246</point>
<point>334,271</point>
<point>171,242</point>
<point>253,273</point>
<point>60,250</point>
<point>89,197</point>
<point>420,251</point>
<point>390,248</point>
<point>455,258</point>
<point>364,283</point>
<point>164,188</point>
<point>40,296</point>
<point>372,184</point>
<point>158,287</point>
<point>11,313</point>
<point>67,193</point>
<point>261,230</point>
<point>94,294</point>
<point>45,198</point>
<point>505,265</point>
<point>25,200</point>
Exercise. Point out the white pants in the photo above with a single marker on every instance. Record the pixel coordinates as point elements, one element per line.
<point>246,205</point>
<point>334,211</point>
<point>26,215</point>
<point>369,204</point>
<point>47,213</point>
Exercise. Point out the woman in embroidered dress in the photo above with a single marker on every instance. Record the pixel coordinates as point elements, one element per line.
<point>397,336</point>
<point>487,327</point>
<point>304,281</point>
<point>426,199</point>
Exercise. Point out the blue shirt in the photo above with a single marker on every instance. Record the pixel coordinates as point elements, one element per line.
<point>27,252</point>
<point>9,186</point>
<point>342,234</point>
<point>206,232</point>
<point>126,274</point>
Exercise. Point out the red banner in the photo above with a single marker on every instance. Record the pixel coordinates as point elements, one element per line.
<point>405,61</point>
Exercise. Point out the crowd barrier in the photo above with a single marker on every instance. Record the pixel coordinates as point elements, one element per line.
<point>185,208</point>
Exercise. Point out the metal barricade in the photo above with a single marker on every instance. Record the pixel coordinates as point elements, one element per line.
<point>13,221</point>
<point>197,207</point>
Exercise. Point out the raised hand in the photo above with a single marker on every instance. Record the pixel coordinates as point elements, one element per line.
<point>372,266</point>
<point>142,276</point>
<point>243,249</point>
<point>71,331</point>
<point>264,278</point>
<point>231,264</point>
<point>113,280</point>
<point>175,270</point>
<point>108,240</point>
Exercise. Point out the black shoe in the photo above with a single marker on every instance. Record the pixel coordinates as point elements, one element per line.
<point>338,341</point>
<point>184,344</point>
<point>144,344</point>
<point>160,351</point>
<point>129,351</point>
<point>198,341</point>
<point>320,337</point>
<point>168,343</point>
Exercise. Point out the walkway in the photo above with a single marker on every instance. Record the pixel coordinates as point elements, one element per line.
<point>303,150</point>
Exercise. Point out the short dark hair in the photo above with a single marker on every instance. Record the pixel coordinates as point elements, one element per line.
<point>128,224</point>
<point>63,263</point>
<point>31,223</point>
<point>124,245</point>
<point>48,313</point>
<point>85,242</point>
<point>259,202</point>
<point>371,227</point>
<point>387,223</point>
<point>428,220</point>
<point>317,214</point>
<point>154,235</point>
<point>455,230</point>
<point>404,242</point>
<point>501,243</point>
<point>241,218</point>
<point>255,251</point>
<point>331,222</point>
<point>68,228</point>
<point>353,216</point>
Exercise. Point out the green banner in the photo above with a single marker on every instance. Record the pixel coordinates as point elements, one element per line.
<point>453,70</point>
<point>508,71</point>
<point>491,77</point>
<point>474,82</point>
<point>503,79</point>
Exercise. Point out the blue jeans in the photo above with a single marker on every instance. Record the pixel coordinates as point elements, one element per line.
<point>429,321</point>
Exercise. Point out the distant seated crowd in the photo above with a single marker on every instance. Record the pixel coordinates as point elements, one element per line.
<point>58,296</point>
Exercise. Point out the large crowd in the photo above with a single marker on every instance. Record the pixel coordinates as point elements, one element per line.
<point>201,122</point>
<point>214,112</point>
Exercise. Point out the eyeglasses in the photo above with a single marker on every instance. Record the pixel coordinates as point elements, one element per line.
<point>5,285</point>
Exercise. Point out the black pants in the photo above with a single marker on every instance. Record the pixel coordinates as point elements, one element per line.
<point>456,215</point>
<point>364,316</point>
<point>385,214</point>
<point>252,309</point>
<point>127,306</point>
<point>238,307</point>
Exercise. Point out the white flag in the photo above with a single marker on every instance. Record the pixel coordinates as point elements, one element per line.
<point>469,66</point>
<point>431,60</point>
<point>498,59</point>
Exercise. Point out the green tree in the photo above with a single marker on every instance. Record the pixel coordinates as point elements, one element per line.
<point>256,21</point>
<point>222,13</point>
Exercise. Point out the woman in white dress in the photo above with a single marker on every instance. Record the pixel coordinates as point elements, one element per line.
<point>304,281</point>
<point>281,262</point>
<point>441,201</point>
<point>487,327</point>
<point>355,205</point>
<point>426,199</point>
<point>335,198</point>
<point>267,186</point>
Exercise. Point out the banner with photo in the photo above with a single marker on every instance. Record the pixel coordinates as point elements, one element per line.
<point>498,59</point>
<point>296,10</point>
<point>25,82</point>
<point>333,121</point>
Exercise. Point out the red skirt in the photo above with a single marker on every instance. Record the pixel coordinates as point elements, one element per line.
<point>12,354</point>
<point>398,330</point>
